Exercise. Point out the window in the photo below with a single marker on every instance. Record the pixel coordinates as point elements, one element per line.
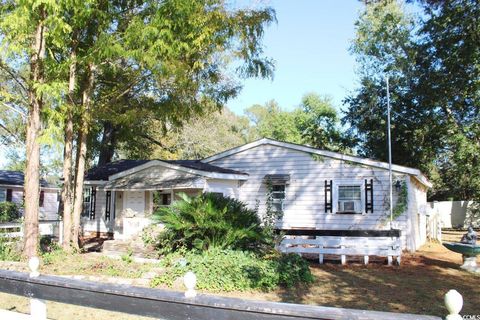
<point>278,197</point>
<point>161,199</point>
<point>166,199</point>
<point>3,195</point>
<point>349,199</point>
<point>87,198</point>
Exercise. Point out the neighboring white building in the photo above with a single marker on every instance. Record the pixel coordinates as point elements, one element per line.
<point>315,189</point>
<point>11,189</point>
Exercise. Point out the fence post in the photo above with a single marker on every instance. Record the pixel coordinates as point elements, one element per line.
<point>190,280</point>
<point>60,232</point>
<point>454,304</point>
<point>38,308</point>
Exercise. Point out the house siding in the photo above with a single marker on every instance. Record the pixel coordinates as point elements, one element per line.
<point>228,188</point>
<point>49,211</point>
<point>99,224</point>
<point>304,206</point>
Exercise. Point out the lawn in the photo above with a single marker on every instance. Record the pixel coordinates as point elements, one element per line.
<point>417,286</point>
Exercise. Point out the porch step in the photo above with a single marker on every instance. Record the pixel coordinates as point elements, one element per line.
<point>134,247</point>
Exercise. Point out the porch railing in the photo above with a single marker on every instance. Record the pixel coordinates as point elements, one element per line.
<point>172,305</point>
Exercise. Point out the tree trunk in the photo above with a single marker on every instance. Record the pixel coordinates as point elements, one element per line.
<point>82,154</point>
<point>32,176</point>
<point>107,147</point>
<point>67,155</point>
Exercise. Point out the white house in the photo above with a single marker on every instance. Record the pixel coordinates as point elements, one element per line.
<point>315,189</point>
<point>11,190</point>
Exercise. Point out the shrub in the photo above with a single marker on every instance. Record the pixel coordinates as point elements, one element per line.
<point>209,221</point>
<point>230,270</point>
<point>8,211</point>
<point>10,249</point>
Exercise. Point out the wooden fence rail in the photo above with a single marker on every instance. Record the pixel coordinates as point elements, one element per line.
<point>170,305</point>
<point>343,243</point>
<point>46,227</point>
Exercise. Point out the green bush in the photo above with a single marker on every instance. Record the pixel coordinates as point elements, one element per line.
<point>230,270</point>
<point>209,221</point>
<point>9,249</point>
<point>8,211</point>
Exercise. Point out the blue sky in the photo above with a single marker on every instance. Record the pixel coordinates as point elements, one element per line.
<point>310,46</point>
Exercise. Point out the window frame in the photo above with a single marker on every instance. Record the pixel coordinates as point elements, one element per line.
<point>4,192</point>
<point>86,208</point>
<point>336,194</point>
<point>280,201</point>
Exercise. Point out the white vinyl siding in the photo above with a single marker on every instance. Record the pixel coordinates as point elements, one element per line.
<point>304,204</point>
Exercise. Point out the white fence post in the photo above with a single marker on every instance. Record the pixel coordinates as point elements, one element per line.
<point>60,232</point>
<point>190,280</point>
<point>454,304</point>
<point>38,307</point>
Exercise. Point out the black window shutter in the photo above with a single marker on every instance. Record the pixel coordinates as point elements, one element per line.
<point>42,199</point>
<point>108,198</point>
<point>9,195</point>
<point>93,200</point>
<point>369,196</point>
<point>328,196</point>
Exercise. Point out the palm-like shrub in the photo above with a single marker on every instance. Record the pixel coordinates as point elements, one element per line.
<point>208,221</point>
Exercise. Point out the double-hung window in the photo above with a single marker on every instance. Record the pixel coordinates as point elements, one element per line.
<point>278,197</point>
<point>349,199</point>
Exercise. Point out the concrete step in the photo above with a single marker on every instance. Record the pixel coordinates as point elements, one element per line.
<point>122,247</point>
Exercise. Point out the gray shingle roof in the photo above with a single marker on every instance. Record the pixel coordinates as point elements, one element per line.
<point>16,178</point>
<point>103,172</point>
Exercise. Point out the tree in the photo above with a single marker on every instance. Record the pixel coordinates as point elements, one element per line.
<point>314,122</point>
<point>23,34</point>
<point>383,47</point>
<point>176,67</point>
<point>318,122</point>
<point>144,63</point>
<point>271,121</point>
<point>197,138</point>
<point>432,65</point>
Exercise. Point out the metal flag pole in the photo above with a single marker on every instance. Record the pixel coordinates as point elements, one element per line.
<point>389,155</point>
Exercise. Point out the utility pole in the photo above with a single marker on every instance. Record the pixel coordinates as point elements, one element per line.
<point>389,155</point>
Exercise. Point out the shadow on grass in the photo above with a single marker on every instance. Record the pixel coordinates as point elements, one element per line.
<point>417,286</point>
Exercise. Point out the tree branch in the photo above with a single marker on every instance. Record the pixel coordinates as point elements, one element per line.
<point>15,77</point>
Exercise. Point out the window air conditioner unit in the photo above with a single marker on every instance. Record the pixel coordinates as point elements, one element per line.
<point>349,206</point>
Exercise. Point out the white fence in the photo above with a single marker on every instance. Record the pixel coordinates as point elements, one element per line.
<point>390,247</point>
<point>453,214</point>
<point>46,228</point>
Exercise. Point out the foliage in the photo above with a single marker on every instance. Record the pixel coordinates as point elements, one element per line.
<point>8,211</point>
<point>402,201</point>
<point>128,257</point>
<point>433,68</point>
<point>197,138</point>
<point>229,270</point>
<point>314,122</point>
<point>208,221</point>
<point>10,249</point>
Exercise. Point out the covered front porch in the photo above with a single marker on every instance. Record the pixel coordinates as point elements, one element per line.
<point>123,206</point>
